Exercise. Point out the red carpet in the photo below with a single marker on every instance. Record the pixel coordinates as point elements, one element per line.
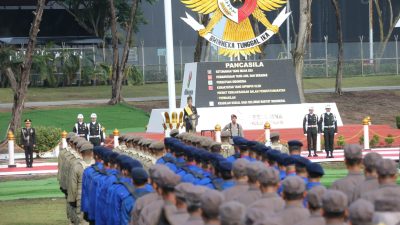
<point>38,168</point>
<point>34,168</point>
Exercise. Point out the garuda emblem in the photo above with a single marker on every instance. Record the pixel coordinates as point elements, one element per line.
<point>238,36</point>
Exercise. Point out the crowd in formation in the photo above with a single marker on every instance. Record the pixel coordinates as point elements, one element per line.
<point>189,179</point>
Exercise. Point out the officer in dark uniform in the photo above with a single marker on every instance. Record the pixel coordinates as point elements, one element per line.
<point>310,129</point>
<point>28,142</point>
<point>328,125</point>
<point>95,131</point>
<point>80,128</point>
<point>190,116</point>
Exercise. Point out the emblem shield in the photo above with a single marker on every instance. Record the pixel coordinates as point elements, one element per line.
<point>237,15</point>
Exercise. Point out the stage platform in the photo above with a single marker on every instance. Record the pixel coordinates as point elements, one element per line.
<point>351,134</point>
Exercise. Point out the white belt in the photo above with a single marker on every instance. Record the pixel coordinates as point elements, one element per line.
<point>312,126</point>
<point>94,136</point>
<point>329,126</point>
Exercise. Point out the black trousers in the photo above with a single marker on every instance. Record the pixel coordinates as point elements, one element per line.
<point>312,139</point>
<point>28,155</point>
<point>95,141</point>
<point>329,137</point>
<point>189,126</point>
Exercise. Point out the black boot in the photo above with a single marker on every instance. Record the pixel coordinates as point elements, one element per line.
<point>309,154</point>
<point>315,154</point>
<point>327,154</point>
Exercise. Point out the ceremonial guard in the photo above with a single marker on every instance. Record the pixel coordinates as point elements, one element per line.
<point>310,129</point>
<point>28,142</point>
<point>95,131</point>
<point>190,116</point>
<point>80,128</point>
<point>328,125</point>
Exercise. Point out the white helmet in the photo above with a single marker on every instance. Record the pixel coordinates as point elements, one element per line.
<point>328,106</point>
<point>93,115</point>
<point>80,116</point>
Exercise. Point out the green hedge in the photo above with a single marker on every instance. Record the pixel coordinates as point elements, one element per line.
<point>46,138</point>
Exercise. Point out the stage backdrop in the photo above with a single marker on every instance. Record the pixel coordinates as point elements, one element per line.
<point>244,83</point>
<point>255,91</point>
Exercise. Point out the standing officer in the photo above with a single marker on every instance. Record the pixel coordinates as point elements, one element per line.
<point>95,131</point>
<point>328,125</point>
<point>226,147</point>
<point>277,145</point>
<point>190,116</point>
<point>28,141</point>
<point>80,128</point>
<point>234,128</point>
<point>310,128</point>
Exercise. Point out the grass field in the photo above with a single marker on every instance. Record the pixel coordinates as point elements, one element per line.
<point>103,92</point>
<point>318,83</point>
<point>123,117</point>
<point>29,189</point>
<point>98,92</point>
<point>33,212</point>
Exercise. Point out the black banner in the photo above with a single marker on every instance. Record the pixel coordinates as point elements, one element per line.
<point>244,83</point>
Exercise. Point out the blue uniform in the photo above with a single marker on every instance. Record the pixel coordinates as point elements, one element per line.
<point>128,203</point>
<point>227,184</point>
<point>282,174</point>
<point>174,165</point>
<point>305,179</point>
<point>206,180</point>
<point>190,174</point>
<point>280,189</point>
<point>233,158</point>
<point>86,183</point>
<point>116,193</point>
<point>96,176</point>
<point>102,195</point>
<point>251,159</point>
<point>216,183</point>
<point>166,158</point>
<point>310,185</point>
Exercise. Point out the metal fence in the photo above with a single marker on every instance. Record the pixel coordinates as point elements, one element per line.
<point>313,68</point>
<point>150,61</point>
<point>351,68</point>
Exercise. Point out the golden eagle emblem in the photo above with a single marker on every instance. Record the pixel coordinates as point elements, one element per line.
<point>238,27</point>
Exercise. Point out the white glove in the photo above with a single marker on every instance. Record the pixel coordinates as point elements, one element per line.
<point>335,133</point>
<point>305,135</point>
<point>102,143</point>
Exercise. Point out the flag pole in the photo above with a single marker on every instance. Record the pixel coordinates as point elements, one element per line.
<point>169,39</point>
<point>371,32</point>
